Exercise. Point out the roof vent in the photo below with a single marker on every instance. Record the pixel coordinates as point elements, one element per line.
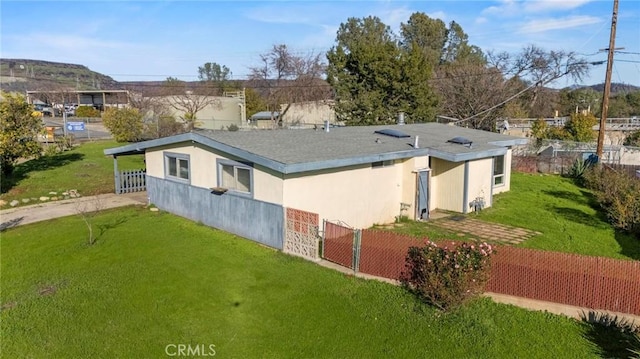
<point>461,141</point>
<point>392,133</point>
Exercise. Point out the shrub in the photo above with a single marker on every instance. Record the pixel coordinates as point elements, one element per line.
<point>125,124</point>
<point>87,111</point>
<point>618,194</point>
<point>447,277</point>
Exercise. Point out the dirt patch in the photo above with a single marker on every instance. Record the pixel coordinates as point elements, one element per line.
<point>48,290</point>
<point>8,305</point>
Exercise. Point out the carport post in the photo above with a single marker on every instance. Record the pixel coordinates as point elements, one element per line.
<point>116,173</point>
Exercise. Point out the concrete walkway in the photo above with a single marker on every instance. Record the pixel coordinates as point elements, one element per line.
<point>43,211</point>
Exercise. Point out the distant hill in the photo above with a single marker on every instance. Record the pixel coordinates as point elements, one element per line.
<point>22,75</point>
<point>616,88</point>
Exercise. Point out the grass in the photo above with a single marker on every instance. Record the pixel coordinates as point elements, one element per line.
<point>567,215</point>
<point>153,279</point>
<point>85,168</point>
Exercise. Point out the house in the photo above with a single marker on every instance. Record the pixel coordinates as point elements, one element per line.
<point>242,181</point>
<point>265,119</point>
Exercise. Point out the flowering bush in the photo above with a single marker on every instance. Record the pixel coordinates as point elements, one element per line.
<point>447,277</point>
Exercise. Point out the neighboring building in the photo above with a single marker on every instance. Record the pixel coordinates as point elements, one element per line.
<point>265,119</point>
<point>99,99</point>
<point>219,113</point>
<point>308,114</point>
<point>242,181</point>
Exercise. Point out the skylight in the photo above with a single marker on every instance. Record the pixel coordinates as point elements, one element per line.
<point>461,141</point>
<point>392,133</point>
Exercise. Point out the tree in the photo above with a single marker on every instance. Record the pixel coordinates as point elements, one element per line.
<point>374,77</point>
<point>189,100</point>
<point>19,128</point>
<point>539,67</point>
<point>580,127</point>
<point>125,124</point>
<point>212,71</point>
<point>429,35</point>
<point>254,102</point>
<point>633,139</point>
<point>457,48</point>
<point>474,93</point>
<point>284,78</point>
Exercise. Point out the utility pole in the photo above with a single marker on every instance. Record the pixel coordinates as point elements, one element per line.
<point>607,81</point>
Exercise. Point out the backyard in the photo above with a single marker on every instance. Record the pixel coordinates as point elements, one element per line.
<point>153,280</point>
<point>567,216</point>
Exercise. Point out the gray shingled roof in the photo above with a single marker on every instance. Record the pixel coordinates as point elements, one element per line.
<point>290,151</point>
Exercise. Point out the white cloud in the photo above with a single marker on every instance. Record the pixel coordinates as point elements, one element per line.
<point>551,5</point>
<point>481,20</point>
<point>568,22</point>
<point>518,8</point>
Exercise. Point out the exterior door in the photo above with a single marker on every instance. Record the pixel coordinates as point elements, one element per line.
<point>422,195</point>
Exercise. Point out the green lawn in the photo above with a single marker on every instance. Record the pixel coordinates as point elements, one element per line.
<point>85,168</point>
<point>154,279</point>
<point>567,216</point>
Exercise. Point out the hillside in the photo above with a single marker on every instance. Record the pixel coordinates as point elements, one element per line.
<point>22,75</point>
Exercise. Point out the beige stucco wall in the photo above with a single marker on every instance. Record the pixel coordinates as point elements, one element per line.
<point>225,111</point>
<point>309,113</point>
<point>447,183</point>
<point>357,195</point>
<point>507,175</point>
<point>480,180</point>
<point>267,185</point>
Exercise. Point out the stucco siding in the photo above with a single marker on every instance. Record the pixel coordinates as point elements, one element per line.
<point>267,186</point>
<point>357,195</point>
<point>447,185</point>
<point>480,180</point>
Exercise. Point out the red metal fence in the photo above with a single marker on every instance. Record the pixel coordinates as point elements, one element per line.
<point>337,245</point>
<point>584,281</point>
<point>591,282</point>
<point>383,253</point>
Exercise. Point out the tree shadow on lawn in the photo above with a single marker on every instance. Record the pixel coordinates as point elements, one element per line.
<point>611,342</point>
<point>629,244</point>
<point>586,199</point>
<point>577,216</point>
<point>43,163</point>
<point>103,228</point>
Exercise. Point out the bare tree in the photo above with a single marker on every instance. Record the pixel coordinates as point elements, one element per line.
<point>285,78</point>
<point>474,92</point>
<point>190,100</point>
<point>539,67</point>
<point>87,208</point>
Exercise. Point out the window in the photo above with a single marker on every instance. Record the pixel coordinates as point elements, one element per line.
<point>382,163</point>
<point>176,166</point>
<point>498,171</point>
<point>235,176</point>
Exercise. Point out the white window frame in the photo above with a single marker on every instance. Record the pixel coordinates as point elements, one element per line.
<point>236,165</point>
<point>177,157</point>
<point>501,175</point>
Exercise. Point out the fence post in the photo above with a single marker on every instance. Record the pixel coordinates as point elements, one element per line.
<point>116,174</point>
<point>357,240</point>
<point>324,235</point>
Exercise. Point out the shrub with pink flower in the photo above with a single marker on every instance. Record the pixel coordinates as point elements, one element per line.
<point>447,276</point>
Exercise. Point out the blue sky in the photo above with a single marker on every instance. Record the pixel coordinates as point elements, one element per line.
<point>152,40</point>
